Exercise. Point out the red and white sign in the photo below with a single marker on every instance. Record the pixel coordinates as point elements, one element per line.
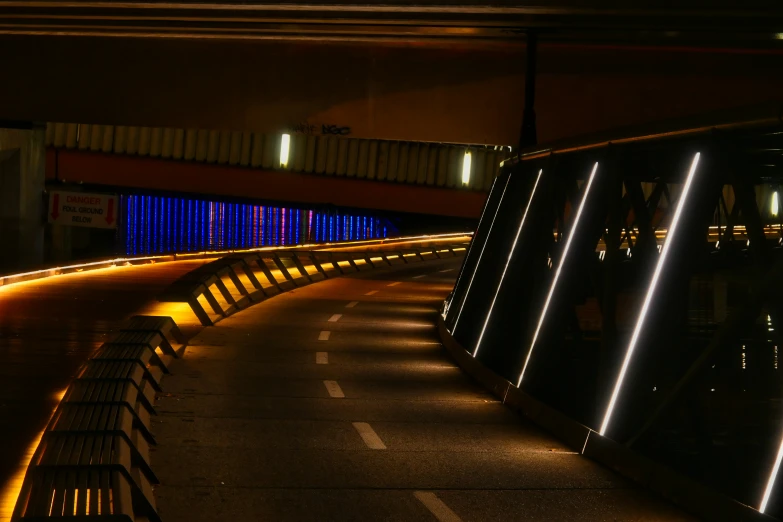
<point>81,209</point>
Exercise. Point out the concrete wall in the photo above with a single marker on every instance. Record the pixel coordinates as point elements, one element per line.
<point>22,210</point>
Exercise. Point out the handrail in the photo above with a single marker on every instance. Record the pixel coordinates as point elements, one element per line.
<point>760,116</point>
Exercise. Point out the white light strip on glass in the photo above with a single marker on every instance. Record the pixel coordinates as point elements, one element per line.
<point>771,481</point>
<point>650,292</point>
<point>470,246</point>
<point>508,261</point>
<point>478,263</point>
<point>571,235</point>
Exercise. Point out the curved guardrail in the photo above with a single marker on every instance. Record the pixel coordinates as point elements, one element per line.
<point>222,287</point>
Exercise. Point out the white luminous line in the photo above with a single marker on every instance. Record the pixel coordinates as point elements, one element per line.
<point>324,335</point>
<point>508,261</point>
<point>372,292</point>
<point>335,318</point>
<point>586,439</point>
<point>771,481</point>
<point>321,358</point>
<point>394,284</point>
<point>352,304</point>
<point>478,263</point>
<point>419,276</point>
<point>563,257</point>
<point>650,291</point>
<point>470,245</point>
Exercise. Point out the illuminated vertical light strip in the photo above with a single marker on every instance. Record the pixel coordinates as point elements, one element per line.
<point>650,292</point>
<point>148,226</point>
<point>775,205</point>
<point>285,147</point>
<point>508,261</point>
<point>282,226</point>
<point>559,270</point>
<point>466,161</point>
<point>478,263</point>
<point>262,225</point>
<point>182,222</point>
<point>470,246</point>
<point>771,480</point>
<point>212,224</point>
<point>136,216</point>
<point>128,216</point>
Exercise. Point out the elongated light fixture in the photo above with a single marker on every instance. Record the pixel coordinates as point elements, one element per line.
<point>285,147</point>
<point>508,261</point>
<point>774,205</point>
<point>650,292</point>
<point>466,160</point>
<point>470,246</point>
<point>563,257</point>
<point>481,254</point>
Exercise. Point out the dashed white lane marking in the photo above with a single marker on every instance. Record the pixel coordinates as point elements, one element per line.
<point>321,358</point>
<point>372,292</point>
<point>324,335</point>
<point>335,318</point>
<point>334,389</point>
<point>352,304</point>
<point>394,284</point>
<point>419,276</point>
<point>436,506</point>
<point>444,271</point>
<point>369,436</point>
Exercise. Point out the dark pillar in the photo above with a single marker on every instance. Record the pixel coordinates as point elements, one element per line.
<point>22,177</point>
<point>527,137</point>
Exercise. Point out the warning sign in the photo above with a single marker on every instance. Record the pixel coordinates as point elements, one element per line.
<point>83,210</point>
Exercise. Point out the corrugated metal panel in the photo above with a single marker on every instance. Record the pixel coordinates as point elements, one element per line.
<point>430,164</point>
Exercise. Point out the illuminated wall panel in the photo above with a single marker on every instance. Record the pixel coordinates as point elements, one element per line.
<point>162,224</point>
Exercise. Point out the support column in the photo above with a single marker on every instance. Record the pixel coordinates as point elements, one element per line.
<point>22,178</point>
<point>527,136</point>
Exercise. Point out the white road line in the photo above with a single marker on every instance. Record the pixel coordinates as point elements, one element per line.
<point>335,318</point>
<point>436,506</point>
<point>394,284</point>
<point>369,436</point>
<point>372,292</point>
<point>334,389</point>
<point>321,358</point>
<point>444,271</point>
<point>418,276</point>
<point>352,304</point>
<point>324,335</point>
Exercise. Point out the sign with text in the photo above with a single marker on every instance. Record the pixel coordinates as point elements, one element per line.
<point>81,209</point>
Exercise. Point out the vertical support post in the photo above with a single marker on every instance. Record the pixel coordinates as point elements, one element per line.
<point>527,135</point>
